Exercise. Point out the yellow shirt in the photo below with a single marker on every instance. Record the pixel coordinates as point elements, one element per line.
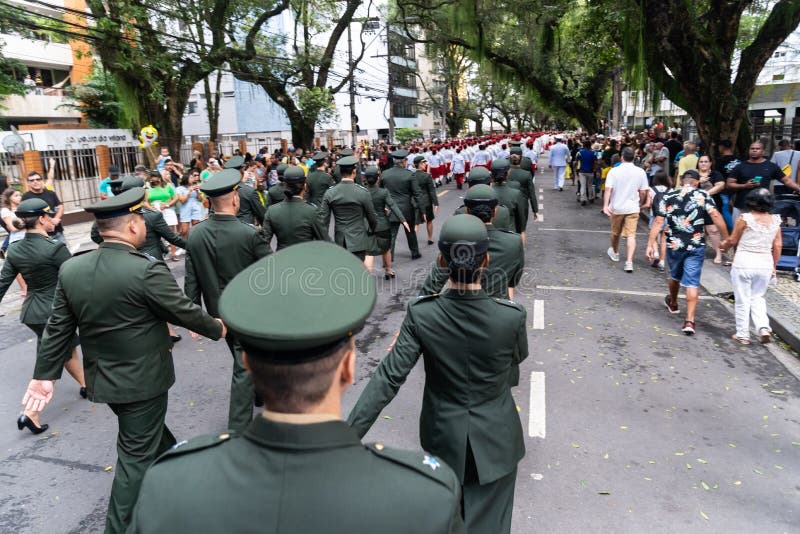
<point>689,161</point>
<point>304,167</point>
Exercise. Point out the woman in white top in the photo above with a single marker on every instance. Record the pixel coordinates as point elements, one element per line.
<point>757,238</point>
<point>8,204</point>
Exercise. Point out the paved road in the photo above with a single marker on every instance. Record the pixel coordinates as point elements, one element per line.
<point>630,426</point>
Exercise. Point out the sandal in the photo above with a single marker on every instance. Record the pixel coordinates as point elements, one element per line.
<point>717,261</point>
<point>740,340</point>
<point>764,335</point>
<point>727,263</point>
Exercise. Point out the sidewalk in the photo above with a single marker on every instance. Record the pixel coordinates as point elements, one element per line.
<point>783,300</point>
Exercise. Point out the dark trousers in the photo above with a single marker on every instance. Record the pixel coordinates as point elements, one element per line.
<point>142,437</point>
<point>411,237</point>
<point>240,409</point>
<point>486,508</point>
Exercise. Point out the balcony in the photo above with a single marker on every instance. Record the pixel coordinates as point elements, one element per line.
<point>43,106</point>
<point>35,53</point>
<point>403,62</point>
<point>404,91</point>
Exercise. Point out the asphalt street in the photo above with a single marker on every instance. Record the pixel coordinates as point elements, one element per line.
<point>630,425</point>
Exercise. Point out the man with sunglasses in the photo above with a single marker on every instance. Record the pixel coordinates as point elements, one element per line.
<point>37,189</point>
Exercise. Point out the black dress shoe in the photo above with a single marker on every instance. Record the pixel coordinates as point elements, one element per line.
<point>430,242</point>
<point>25,421</point>
<point>83,392</point>
<point>175,339</point>
<point>389,274</point>
<point>416,256</point>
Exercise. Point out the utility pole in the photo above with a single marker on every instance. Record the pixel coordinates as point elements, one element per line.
<point>445,105</point>
<point>353,119</point>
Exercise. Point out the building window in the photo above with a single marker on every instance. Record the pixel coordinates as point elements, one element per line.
<point>191,108</point>
<point>228,94</point>
<point>405,107</point>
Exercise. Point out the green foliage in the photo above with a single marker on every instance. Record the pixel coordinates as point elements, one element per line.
<point>11,71</point>
<point>317,102</point>
<point>99,99</point>
<point>404,135</point>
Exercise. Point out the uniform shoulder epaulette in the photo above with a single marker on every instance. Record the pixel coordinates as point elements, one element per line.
<point>509,303</point>
<point>82,252</point>
<point>419,461</point>
<point>422,298</point>
<point>508,231</point>
<point>362,187</point>
<point>195,444</point>
<point>151,259</point>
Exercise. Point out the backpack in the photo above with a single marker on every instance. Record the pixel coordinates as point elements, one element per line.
<point>658,195</point>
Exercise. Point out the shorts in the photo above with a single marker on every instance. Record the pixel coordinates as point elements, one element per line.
<point>685,265</point>
<point>170,217</point>
<point>191,212</point>
<point>624,224</point>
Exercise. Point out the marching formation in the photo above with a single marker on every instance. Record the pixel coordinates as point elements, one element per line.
<point>329,214</point>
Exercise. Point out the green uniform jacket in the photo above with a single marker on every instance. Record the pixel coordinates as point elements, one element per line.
<point>405,192</point>
<point>501,220</point>
<point>506,263</point>
<point>218,249</point>
<point>526,186</point>
<point>428,190</point>
<point>37,258</point>
<point>121,301</point>
<point>251,210</point>
<point>466,394</point>
<point>156,228</point>
<point>350,204</point>
<point>293,221</point>
<point>384,204</point>
<point>280,478</point>
<point>516,203</point>
<point>276,194</point>
<point>318,182</point>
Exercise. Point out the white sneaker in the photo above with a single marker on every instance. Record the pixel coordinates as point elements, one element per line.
<point>628,267</point>
<point>656,255</point>
<point>613,255</point>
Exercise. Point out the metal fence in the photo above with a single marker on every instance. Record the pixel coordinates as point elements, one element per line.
<point>75,175</point>
<point>126,158</point>
<point>9,167</point>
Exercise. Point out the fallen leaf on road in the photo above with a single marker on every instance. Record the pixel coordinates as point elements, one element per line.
<point>537,476</point>
<point>688,466</point>
<point>575,445</point>
<point>604,493</point>
<point>704,515</point>
<point>758,472</point>
<point>387,417</point>
<point>108,468</point>
<point>678,454</point>
<point>731,445</point>
<point>623,427</point>
<point>700,460</point>
<point>705,486</point>
<point>605,456</point>
<point>737,483</point>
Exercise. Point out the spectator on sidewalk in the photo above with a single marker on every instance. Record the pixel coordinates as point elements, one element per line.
<point>37,189</point>
<point>756,172</point>
<point>757,238</point>
<point>788,160</point>
<point>685,211</point>
<point>105,183</point>
<point>626,190</point>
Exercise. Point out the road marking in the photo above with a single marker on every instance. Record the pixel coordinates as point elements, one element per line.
<point>541,197</point>
<point>443,193</point>
<point>539,215</point>
<point>541,189</point>
<point>613,291</point>
<point>537,416</point>
<point>538,315</point>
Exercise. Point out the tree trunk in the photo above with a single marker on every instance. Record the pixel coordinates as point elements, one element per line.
<point>212,106</point>
<point>302,131</point>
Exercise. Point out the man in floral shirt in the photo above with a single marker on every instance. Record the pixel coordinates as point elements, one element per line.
<point>686,211</point>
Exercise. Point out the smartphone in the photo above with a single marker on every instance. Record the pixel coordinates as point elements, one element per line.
<point>757,179</point>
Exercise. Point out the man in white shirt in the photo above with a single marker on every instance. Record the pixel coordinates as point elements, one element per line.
<point>481,158</point>
<point>447,161</point>
<point>503,153</point>
<point>625,195</point>
<point>786,156</point>
<point>559,154</point>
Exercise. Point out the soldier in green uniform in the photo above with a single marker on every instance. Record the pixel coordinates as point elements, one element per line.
<point>153,219</point>
<point>469,417</point>
<point>120,300</point>
<point>298,468</point>
<point>350,204</point>
<point>428,208</point>
<point>294,220</point>
<point>510,197</point>
<point>275,192</point>
<point>37,258</point>
<point>384,204</point>
<point>505,250</point>
<point>218,249</point>
<point>406,194</point>
<point>523,178</point>
<point>482,176</point>
<point>251,209</point>
<point>318,179</point>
